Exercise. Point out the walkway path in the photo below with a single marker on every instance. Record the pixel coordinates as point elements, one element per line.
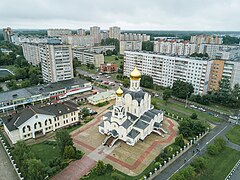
<point>7,171</point>
<point>189,155</point>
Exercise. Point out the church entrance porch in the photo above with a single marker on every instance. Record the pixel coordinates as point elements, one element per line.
<point>39,133</point>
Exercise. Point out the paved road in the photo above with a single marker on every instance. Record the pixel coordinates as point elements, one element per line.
<point>6,169</point>
<point>189,155</point>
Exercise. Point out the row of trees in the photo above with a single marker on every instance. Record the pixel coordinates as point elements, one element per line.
<point>225,95</point>
<point>199,165</point>
<point>111,41</point>
<point>201,55</point>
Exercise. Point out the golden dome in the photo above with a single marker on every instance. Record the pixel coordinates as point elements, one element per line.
<point>135,74</point>
<point>119,92</point>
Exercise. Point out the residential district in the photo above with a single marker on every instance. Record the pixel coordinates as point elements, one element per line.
<point>114,104</point>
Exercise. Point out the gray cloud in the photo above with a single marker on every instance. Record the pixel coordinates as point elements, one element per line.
<point>128,14</point>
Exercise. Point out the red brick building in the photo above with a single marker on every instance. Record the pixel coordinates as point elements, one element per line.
<point>108,68</point>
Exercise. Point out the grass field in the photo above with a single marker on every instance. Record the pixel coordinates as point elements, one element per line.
<point>219,166</point>
<point>111,59</point>
<point>70,129</point>
<point>179,109</point>
<point>45,152</point>
<point>234,134</point>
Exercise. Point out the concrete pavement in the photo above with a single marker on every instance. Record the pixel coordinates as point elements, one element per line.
<point>7,171</point>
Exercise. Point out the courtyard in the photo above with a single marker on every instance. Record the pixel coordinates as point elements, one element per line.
<point>131,160</point>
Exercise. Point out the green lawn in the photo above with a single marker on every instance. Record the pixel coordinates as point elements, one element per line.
<point>72,128</point>
<point>45,152</point>
<point>219,166</point>
<point>111,59</point>
<point>234,134</point>
<point>179,109</point>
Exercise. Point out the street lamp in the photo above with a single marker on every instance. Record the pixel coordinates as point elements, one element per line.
<point>186,99</point>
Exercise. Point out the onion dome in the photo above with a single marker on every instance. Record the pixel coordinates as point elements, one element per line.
<point>135,74</point>
<point>119,92</point>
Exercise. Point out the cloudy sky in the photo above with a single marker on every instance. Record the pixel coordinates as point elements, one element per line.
<point>128,14</point>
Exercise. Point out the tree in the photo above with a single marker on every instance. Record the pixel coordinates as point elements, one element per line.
<point>63,139</point>
<point>193,116</point>
<point>85,112</point>
<point>179,141</point>
<point>35,170</point>
<point>126,82</point>
<point>146,81</point>
<point>21,152</point>
<point>190,128</point>
<point>187,173</point>
<point>199,164</point>
<point>147,45</point>
<point>182,89</point>
<point>111,41</point>
<point>100,168</point>
<point>167,93</point>
<point>69,152</point>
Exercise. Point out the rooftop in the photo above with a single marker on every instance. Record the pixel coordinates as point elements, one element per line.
<point>39,89</point>
<point>102,95</point>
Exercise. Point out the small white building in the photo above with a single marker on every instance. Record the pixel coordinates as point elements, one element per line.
<point>33,122</point>
<point>101,97</point>
<point>132,118</point>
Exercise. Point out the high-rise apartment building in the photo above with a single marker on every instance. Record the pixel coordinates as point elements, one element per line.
<point>221,69</point>
<point>78,40</point>
<point>130,46</point>
<point>174,47</point>
<point>166,69</point>
<point>81,32</point>
<point>95,32</point>
<point>206,39</point>
<point>134,37</point>
<point>31,53</point>
<point>56,62</point>
<point>58,32</point>
<point>87,57</point>
<point>104,35</point>
<point>114,32</point>
<point>7,32</point>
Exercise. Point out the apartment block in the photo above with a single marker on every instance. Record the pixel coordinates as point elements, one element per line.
<point>174,47</point>
<point>58,32</point>
<point>78,40</point>
<point>56,62</point>
<point>223,69</point>
<point>97,49</point>
<point>86,57</point>
<point>206,39</point>
<point>31,53</point>
<point>20,39</point>
<point>81,32</point>
<point>7,32</point>
<point>130,46</point>
<point>114,32</point>
<point>95,32</point>
<point>166,69</point>
<point>216,51</point>
<point>134,37</point>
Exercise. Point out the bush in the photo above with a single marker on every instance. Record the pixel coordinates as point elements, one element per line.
<point>78,154</point>
<point>193,116</point>
<point>100,168</point>
<point>180,141</point>
<point>109,168</point>
<point>217,147</point>
<point>117,176</point>
<point>199,164</point>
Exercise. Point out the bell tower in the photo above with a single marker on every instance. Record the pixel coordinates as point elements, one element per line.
<point>135,78</point>
<point>119,113</point>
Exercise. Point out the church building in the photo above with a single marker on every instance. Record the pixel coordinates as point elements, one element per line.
<point>133,117</point>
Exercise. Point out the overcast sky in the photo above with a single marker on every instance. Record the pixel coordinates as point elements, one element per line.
<point>128,14</point>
